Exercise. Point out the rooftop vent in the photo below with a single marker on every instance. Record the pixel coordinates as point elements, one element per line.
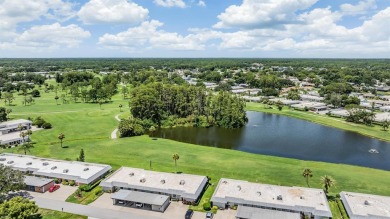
<point>86,169</point>
<point>28,163</point>
<point>131,174</point>
<point>54,167</point>
<point>9,162</point>
<point>182,182</point>
<point>3,159</point>
<point>239,188</point>
<point>301,197</point>
<point>279,197</point>
<point>45,163</point>
<point>259,193</point>
<point>65,171</point>
<point>162,181</point>
<point>224,182</point>
<point>142,180</point>
<point>366,202</point>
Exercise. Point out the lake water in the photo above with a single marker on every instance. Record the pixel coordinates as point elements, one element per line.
<point>283,136</point>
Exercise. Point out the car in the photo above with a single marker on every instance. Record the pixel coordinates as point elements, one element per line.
<point>139,205</point>
<point>189,214</point>
<point>209,215</point>
<point>54,188</point>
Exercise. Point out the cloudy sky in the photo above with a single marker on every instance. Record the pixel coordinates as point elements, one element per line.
<point>195,28</point>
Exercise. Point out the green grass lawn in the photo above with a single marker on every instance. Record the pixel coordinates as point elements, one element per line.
<point>49,214</point>
<point>372,131</point>
<point>87,127</point>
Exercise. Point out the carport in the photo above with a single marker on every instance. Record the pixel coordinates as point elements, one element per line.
<point>142,200</point>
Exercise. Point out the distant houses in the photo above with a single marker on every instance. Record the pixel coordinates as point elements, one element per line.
<point>10,131</point>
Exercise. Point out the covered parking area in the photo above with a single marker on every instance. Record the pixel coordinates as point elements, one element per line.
<point>141,200</point>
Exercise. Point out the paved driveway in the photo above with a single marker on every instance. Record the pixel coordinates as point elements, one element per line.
<point>174,210</point>
<point>61,194</point>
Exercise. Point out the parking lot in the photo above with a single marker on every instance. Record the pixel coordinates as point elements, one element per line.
<point>61,194</point>
<point>174,210</point>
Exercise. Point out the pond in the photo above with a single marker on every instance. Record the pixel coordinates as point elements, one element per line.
<point>284,136</point>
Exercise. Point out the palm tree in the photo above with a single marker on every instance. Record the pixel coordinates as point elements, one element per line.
<point>61,137</point>
<point>20,128</point>
<point>307,174</point>
<point>25,147</point>
<point>175,157</point>
<point>327,182</point>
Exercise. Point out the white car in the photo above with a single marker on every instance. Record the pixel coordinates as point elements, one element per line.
<point>139,205</point>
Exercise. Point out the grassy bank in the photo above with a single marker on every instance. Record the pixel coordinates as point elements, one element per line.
<point>371,131</point>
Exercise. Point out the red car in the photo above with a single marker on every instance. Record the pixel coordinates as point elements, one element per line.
<point>54,188</point>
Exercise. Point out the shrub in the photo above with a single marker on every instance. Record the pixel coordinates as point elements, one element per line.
<point>72,183</point>
<point>207,206</point>
<point>85,188</point>
<point>98,191</point>
<point>35,93</point>
<point>65,182</point>
<point>57,181</point>
<point>46,125</point>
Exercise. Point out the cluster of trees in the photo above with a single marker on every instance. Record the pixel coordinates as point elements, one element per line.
<point>358,115</point>
<point>87,87</point>
<point>4,114</point>
<point>158,104</point>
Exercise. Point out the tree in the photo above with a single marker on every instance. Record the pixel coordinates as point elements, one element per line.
<point>3,114</point>
<point>307,174</point>
<point>130,127</point>
<point>18,208</point>
<point>120,107</point>
<point>175,157</point>
<point>327,182</point>
<point>8,111</point>
<point>61,136</point>
<point>81,157</point>
<point>56,98</point>
<point>8,97</point>
<point>10,180</point>
<point>293,95</point>
<point>385,125</point>
<point>25,147</point>
<point>35,93</point>
<point>279,105</point>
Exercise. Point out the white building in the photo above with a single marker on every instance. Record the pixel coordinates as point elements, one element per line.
<point>80,172</point>
<point>185,187</point>
<point>362,206</point>
<point>381,117</point>
<point>10,133</point>
<point>12,126</point>
<point>312,98</point>
<point>307,201</point>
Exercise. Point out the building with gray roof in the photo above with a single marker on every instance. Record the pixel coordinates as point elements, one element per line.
<point>364,206</point>
<point>80,172</point>
<point>149,201</point>
<point>38,184</point>
<point>185,187</point>
<point>306,201</point>
<point>244,212</point>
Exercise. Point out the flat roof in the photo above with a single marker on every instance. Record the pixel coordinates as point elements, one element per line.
<point>292,198</point>
<point>260,213</point>
<point>15,122</point>
<point>79,171</point>
<point>36,181</point>
<point>141,197</point>
<point>381,117</point>
<point>185,185</point>
<point>366,205</point>
<point>13,136</point>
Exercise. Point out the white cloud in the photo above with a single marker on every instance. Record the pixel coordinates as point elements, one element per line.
<point>201,3</point>
<point>170,3</point>
<point>112,11</point>
<point>149,36</point>
<point>262,14</point>
<point>52,36</point>
<point>360,9</point>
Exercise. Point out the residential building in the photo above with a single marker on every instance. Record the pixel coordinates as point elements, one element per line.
<point>185,187</point>
<point>80,172</point>
<point>361,206</point>
<point>297,200</point>
<point>38,184</point>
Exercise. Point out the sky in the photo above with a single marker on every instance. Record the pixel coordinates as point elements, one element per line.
<point>195,28</point>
